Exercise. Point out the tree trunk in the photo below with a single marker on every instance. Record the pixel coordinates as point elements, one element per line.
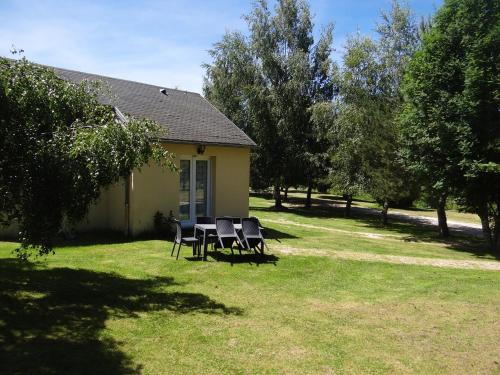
<point>277,197</point>
<point>348,203</point>
<point>309,191</point>
<point>485,224</point>
<point>496,242</point>
<point>285,197</point>
<point>441,214</point>
<point>385,208</point>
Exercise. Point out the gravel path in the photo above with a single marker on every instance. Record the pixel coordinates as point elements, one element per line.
<point>457,226</point>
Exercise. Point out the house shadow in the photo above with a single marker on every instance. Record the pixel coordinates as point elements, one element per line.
<point>52,320</point>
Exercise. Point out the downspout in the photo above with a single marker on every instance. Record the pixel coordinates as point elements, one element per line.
<point>122,119</point>
<point>128,183</point>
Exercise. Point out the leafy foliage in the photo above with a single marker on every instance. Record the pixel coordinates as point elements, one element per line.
<point>451,117</point>
<point>365,133</point>
<point>59,147</point>
<point>267,83</point>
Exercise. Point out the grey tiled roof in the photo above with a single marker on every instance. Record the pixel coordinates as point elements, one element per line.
<point>187,116</point>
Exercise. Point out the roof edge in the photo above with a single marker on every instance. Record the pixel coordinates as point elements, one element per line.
<point>236,145</point>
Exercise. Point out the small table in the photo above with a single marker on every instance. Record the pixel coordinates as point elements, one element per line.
<point>207,229</point>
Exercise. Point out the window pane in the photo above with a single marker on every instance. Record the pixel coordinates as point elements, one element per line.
<point>201,187</point>
<point>184,189</point>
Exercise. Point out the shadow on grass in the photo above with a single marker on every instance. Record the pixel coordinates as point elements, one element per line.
<point>274,234</point>
<point>244,257</point>
<point>337,199</point>
<point>52,321</point>
<point>93,238</point>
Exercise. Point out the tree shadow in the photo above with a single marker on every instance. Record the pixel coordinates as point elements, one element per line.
<point>262,194</point>
<point>53,320</point>
<point>340,200</point>
<point>104,237</point>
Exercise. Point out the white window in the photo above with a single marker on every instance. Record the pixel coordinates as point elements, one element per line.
<point>195,190</point>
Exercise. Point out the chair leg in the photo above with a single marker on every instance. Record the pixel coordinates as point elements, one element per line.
<point>178,251</point>
<point>173,248</point>
<point>255,250</point>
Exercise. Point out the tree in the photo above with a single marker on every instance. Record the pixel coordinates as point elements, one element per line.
<point>356,118</point>
<point>451,118</point>
<point>59,147</point>
<point>230,77</point>
<point>288,73</point>
<point>365,132</point>
<point>390,182</point>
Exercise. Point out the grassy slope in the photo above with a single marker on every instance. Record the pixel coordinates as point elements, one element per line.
<point>129,307</point>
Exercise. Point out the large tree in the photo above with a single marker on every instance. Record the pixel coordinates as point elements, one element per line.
<point>359,117</point>
<point>267,83</point>
<point>59,146</point>
<point>390,182</point>
<point>451,118</point>
<point>365,133</point>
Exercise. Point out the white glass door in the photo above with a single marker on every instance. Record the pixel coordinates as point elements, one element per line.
<point>185,190</point>
<point>194,189</point>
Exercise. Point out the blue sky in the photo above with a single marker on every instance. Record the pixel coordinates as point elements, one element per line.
<point>159,42</point>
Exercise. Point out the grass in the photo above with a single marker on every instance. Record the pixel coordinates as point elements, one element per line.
<point>129,308</point>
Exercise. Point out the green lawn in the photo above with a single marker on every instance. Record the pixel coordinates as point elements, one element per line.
<point>130,308</point>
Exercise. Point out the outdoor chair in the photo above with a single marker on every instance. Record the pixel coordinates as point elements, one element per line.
<point>211,238</point>
<point>252,235</point>
<point>179,240</point>
<point>262,229</point>
<point>235,220</point>
<point>226,234</point>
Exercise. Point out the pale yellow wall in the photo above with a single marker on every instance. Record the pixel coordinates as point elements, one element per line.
<point>108,212</point>
<point>155,189</point>
<point>116,206</point>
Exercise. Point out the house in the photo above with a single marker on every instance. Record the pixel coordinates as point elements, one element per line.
<point>212,153</point>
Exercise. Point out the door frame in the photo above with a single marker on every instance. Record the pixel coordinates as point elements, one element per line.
<point>192,186</point>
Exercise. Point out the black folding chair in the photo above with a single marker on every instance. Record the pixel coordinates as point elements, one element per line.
<point>263,231</point>
<point>226,234</point>
<point>235,220</point>
<point>179,240</point>
<point>252,235</point>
